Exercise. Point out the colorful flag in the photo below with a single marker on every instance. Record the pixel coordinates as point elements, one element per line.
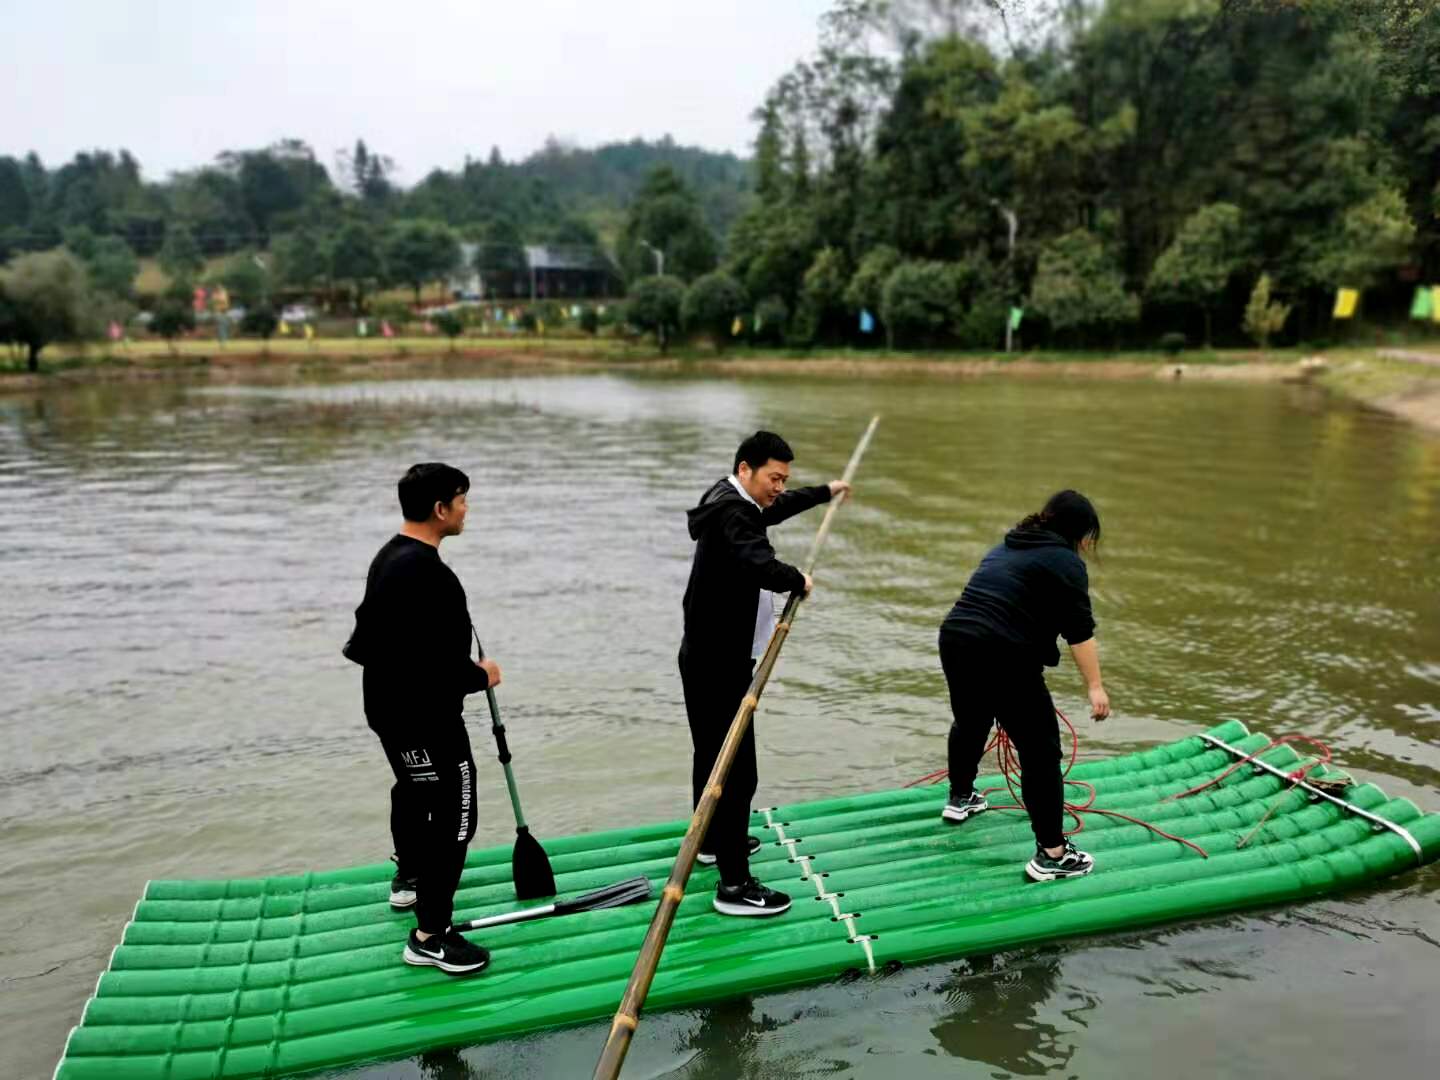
<point>385,330</point>
<point>113,330</point>
<point>222,328</point>
<point>736,327</point>
<point>309,332</point>
<point>759,322</point>
<point>540,326</point>
<point>574,311</point>
<point>429,327</point>
<point>1423,304</point>
<point>220,299</point>
<point>284,327</point>
<point>361,330</point>
<point>600,310</point>
<point>1345,301</point>
<point>1016,314</point>
<point>867,322</point>
<point>1435,302</point>
<point>199,300</point>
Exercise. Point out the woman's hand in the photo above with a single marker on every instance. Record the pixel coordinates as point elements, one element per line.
<point>1099,703</point>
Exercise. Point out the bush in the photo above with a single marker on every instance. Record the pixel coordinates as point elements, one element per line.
<point>450,324</point>
<point>919,302</point>
<point>1262,318</point>
<point>590,321</point>
<point>1173,342</point>
<point>712,304</point>
<point>771,316</point>
<point>655,305</point>
<point>260,321</point>
<point>982,325</point>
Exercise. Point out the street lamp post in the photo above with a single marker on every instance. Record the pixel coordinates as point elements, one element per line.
<point>1013,222</point>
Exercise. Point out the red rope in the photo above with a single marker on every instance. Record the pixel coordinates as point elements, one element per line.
<point>1295,777</point>
<point>1009,764</point>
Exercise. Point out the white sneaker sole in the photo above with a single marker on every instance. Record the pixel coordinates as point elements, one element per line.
<point>421,960</point>
<point>402,900</point>
<point>955,817</point>
<point>710,860</point>
<point>1035,872</point>
<point>727,907</point>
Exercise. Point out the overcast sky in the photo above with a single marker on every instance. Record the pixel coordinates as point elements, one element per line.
<point>425,81</point>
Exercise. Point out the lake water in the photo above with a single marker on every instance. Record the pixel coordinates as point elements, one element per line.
<point>179,566</point>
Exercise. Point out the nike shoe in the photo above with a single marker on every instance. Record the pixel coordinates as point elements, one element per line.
<point>705,858</point>
<point>402,892</point>
<point>751,898</point>
<point>449,952</point>
<point>958,809</point>
<point>1070,863</point>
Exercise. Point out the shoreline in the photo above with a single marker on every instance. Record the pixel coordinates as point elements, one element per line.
<point>1403,383</point>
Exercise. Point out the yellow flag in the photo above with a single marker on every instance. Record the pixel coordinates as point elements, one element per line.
<point>1345,301</point>
<point>736,327</point>
<point>540,326</point>
<point>1435,302</point>
<point>309,332</point>
<point>284,327</point>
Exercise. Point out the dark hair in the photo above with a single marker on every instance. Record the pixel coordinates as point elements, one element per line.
<point>760,448</point>
<point>425,484</point>
<point>1069,514</point>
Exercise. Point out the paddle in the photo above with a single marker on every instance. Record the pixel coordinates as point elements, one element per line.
<point>529,865</point>
<point>629,891</point>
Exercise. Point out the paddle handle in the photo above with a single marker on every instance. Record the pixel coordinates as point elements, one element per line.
<point>498,730</point>
<point>507,917</point>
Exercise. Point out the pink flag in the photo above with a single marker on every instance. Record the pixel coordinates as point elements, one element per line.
<point>385,329</point>
<point>114,330</point>
<point>199,298</point>
<point>429,327</point>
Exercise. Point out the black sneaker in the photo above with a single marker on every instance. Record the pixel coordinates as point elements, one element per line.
<point>705,858</point>
<point>1070,863</point>
<point>958,809</point>
<point>752,898</point>
<point>402,892</point>
<point>449,952</point>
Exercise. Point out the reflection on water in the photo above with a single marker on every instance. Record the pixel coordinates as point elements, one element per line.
<point>180,566</point>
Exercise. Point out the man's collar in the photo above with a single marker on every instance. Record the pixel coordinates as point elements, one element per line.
<point>735,482</point>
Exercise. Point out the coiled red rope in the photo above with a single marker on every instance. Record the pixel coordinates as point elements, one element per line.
<point>1009,764</point>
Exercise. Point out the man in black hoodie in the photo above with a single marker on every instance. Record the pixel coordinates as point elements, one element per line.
<point>412,635</point>
<point>729,616</point>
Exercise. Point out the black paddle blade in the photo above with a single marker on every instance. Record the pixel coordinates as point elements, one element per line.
<point>530,868</point>
<point>629,891</point>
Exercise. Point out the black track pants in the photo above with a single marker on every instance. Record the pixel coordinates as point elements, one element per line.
<point>432,812</point>
<point>991,685</point>
<point>712,697</point>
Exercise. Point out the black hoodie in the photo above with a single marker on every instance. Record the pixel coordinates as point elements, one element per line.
<point>733,562</point>
<point>1025,592</point>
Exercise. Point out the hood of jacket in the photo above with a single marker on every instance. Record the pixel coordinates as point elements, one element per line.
<point>720,499</point>
<point>1035,538</point>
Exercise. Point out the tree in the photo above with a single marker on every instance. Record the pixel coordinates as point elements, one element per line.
<point>247,281</point>
<point>655,305</point>
<point>712,304</point>
<point>261,321</point>
<point>1374,237</point>
<point>919,302</point>
<point>300,259</point>
<point>355,257</point>
<point>822,297</point>
<point>449,324</point>
<point>868,282</point>
<point>1196,268</point>
<point>48,299</point>
<point>420,251</point>
<point>1262,318</point>
<point>174,314</point>
<point>666,217</point>
<point>112,267</point>
<point>1079,289</point>
<point>180,256</point>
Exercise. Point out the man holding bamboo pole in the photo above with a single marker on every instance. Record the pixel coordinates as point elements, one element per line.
<point>729,616</point>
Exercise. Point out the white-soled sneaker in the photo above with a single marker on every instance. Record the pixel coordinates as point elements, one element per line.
<point>1070,863</point>
<point>706,858</point>
<point>402,893</point>
<point>958,810</point>
<point>450,952</point>
<point>751,898</point>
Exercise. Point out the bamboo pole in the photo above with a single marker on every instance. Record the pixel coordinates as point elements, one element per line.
<point>627,1017</point>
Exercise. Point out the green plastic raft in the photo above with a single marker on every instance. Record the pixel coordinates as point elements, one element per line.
<point>275,976</point>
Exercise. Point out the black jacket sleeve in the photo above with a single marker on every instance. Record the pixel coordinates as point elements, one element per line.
<point>1077,623</point>
<point>432,630</point>
<point>745,534</point>
<point>794,502</point>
